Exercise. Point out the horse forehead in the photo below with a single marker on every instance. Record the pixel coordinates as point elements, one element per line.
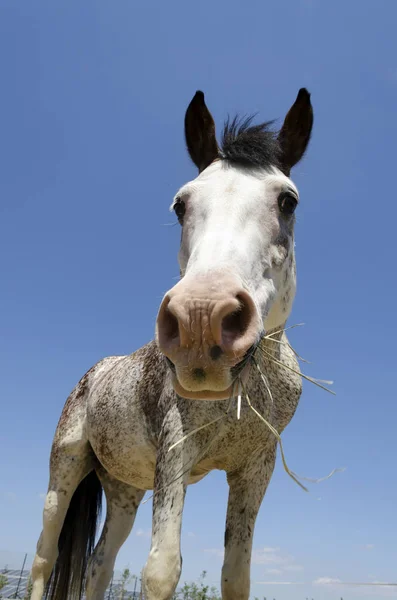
<point>229,181</point>
<point>229,189</point>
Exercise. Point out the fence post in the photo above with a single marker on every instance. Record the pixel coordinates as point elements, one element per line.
<point>20,577</point>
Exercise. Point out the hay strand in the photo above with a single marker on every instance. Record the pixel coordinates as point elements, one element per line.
<point>318,382</point>
<point>278,437</point>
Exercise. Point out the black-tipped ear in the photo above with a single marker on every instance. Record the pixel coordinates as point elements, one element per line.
<point>295,133</point>
<point>200,133</point>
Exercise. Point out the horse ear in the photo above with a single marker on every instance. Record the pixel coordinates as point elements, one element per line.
<point>295,133</point>
<point>200,133</point>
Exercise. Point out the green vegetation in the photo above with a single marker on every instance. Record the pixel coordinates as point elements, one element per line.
<point>3,581</point>
<point>198,590</point>
<point>126,578</point>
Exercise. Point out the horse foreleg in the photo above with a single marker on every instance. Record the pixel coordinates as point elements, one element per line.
<point>122,503</point>
<point>247,488</point>
<point>163,568</point>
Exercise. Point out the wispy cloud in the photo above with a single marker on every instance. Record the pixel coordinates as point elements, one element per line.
<point>385,589</point>
<point>274,556</point>
<point>382,585</point>
<point>273,571</point>
<point>368,546</point>
<point>279,582</point>
<point>274,559</point>
<point>266,556</point>
<point>143,533</point>
<point>326,581</point>
<point>294,568</point>
<point>385,585</point>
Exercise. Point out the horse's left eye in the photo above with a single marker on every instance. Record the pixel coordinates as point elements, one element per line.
<point>287,204</point>
<point>180,209</point>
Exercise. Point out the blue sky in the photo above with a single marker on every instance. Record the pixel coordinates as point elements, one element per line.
<point>92,103</point>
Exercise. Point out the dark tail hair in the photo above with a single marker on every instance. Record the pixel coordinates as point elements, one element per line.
<point>76,541</point>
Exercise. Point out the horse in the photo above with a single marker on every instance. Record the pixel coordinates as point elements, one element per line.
<point>165,416</point>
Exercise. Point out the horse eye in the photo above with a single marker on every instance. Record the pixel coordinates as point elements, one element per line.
<point>287,204</point>
<point>180,209</point>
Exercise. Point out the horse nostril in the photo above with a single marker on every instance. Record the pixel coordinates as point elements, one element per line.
<point>171,326</point>
<point>216,352</point>
<point>167,326</point>
<point>236,323</point>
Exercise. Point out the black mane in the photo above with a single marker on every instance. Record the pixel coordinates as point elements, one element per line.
<point>250,145</point>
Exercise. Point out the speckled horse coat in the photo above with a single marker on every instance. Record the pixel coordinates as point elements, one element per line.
<point>118,424</point>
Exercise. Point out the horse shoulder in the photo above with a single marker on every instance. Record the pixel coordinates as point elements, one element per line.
<point>286,382</point>
<point>72,425</point>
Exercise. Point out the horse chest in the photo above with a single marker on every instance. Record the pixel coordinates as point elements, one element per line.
<point>227,443</point>
<point>235,444</point>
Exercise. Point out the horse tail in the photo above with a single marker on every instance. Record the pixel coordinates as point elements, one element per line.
<point>76,541</point>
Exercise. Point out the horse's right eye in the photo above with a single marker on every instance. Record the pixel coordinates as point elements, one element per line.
<point>180,209</point>
<point>287,204</point>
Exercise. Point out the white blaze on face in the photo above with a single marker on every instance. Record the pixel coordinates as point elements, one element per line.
<point>232,223</point>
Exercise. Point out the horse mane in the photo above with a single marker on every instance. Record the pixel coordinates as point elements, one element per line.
<point>250,145</point>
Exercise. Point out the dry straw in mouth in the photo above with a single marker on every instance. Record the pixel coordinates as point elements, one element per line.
<point>241,391</point>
